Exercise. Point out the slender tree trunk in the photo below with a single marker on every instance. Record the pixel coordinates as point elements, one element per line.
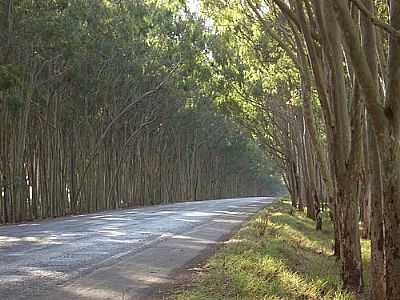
<point>377,279</point>
<point>391,164</point>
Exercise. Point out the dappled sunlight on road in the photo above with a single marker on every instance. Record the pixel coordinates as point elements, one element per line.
<point>42,255</point>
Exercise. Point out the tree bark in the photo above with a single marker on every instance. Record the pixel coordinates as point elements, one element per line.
<point>391,163</point>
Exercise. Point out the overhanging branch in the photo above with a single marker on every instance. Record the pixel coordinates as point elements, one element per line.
<point>368,14</point>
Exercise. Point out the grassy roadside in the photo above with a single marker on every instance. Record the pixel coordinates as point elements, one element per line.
<point>278,255</point>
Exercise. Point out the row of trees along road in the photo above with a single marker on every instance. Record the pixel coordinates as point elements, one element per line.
<point>108,104</point>
<point>319,83</point>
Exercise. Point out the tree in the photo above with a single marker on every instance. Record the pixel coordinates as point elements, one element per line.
<point>106,105</point>
<point>339,54</point>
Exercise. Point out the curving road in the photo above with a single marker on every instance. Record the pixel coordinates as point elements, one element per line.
<point>116,254</point>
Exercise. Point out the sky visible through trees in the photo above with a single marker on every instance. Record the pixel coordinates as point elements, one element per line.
<point>110,104</point>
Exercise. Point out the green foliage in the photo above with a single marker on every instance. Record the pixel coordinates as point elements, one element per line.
<point>240,153</point>
<point>14,103</point>
<point>108,80</point>
<point>10,76</point>
<point>255,82</point>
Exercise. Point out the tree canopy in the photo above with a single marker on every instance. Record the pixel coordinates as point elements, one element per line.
<point>109,104</point>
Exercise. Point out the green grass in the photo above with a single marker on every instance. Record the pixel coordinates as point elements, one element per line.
<point>278,255</point>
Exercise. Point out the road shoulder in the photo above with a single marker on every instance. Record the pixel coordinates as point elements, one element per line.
<point>183,276</point>
<point>277,255</point>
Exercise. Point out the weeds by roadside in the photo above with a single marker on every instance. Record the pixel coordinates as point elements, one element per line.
<point>278,255</point>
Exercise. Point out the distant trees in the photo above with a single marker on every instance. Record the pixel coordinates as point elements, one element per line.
<point>105,104</point>
<point>318,82</point>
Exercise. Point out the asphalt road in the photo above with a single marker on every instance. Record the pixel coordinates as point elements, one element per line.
<point>116,254</point>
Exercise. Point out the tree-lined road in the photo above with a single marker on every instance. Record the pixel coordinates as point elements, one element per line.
<point>116,254</point>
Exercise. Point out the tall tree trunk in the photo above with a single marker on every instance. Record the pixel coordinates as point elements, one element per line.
<point>391,163</point>
<point>377,279</point>
<point>346,170</point>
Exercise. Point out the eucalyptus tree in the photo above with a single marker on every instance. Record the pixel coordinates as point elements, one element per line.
<point>362,53</point>
<point>106,105</point>
<point>345,59</point>
<point>262,91</point>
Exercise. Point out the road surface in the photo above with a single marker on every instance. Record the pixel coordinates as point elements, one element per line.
<point>116,254</point>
